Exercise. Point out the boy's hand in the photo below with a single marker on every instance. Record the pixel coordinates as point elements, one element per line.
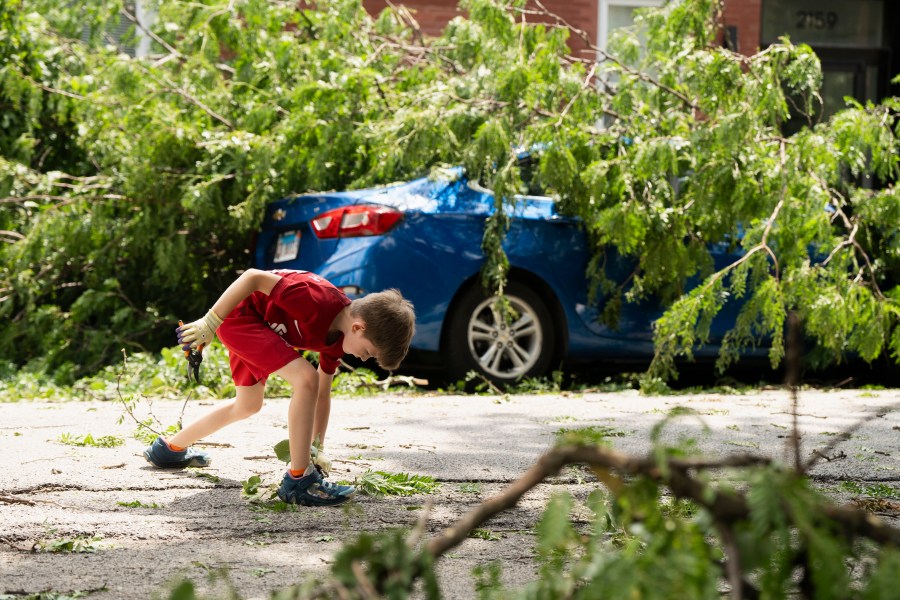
<point>199,332</point>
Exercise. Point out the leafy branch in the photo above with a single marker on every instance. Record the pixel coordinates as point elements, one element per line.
<point>607,56</point>
<point>131,402</point>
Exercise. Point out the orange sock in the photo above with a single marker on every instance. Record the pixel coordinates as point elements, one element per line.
<point>173,447</point>
<point>295,474</point>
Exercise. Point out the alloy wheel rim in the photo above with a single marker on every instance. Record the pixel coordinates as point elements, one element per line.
<point>501,350</point>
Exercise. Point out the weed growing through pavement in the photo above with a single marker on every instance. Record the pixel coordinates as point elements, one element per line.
<point>138,504</point>
<point>257,543</point>
<point>261,572</point>
<point>484,534</point>
<point>595,434</point>
<point>538,385</point>
<point>872,490</point>
<point>105,441</point>
<point>198,472</point>
<point>754,445</point>
<point>79,544</point>
<point>362,457</point>
<point>470,488</point>
<point>562,419</point>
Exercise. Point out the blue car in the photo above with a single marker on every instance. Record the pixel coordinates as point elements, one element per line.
<point>424,238</point>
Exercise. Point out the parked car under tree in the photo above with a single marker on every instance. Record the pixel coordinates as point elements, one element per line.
<point>424,238</point>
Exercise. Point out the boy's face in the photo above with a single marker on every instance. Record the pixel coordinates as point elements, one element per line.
<point>357,344</point>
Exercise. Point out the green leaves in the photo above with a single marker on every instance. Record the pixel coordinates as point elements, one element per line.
<point>154,173</point>
<point>382,483</point>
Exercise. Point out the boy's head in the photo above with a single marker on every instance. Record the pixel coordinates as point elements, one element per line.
<point>390,324</point>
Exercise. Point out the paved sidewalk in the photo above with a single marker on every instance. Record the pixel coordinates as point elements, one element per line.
<point>191,525</point>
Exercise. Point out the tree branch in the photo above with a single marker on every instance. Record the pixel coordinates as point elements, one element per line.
<point>726,507</point>
<point>561,22</point>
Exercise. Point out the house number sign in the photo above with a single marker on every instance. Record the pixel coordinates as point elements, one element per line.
<point>824,22</point>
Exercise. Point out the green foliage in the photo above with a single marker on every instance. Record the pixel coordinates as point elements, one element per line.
<point>283,450</point>
<point>640,545</point>
<point>484,534</point>
<point>251,486</point>
<point>147,431</point>
<point>382,483</point>
<point>104,441</point>
<point>78,544</point>
<point>587,436</point>
<point>138,504</point>
<point>872,490</point>
<point>130,187</point>
<point>389,563</point>
<point>470,488</point>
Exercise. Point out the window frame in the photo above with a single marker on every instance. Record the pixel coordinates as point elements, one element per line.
<point>603,16</point>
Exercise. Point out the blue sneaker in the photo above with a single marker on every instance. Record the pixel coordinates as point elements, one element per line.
<point>160,455</point>
<point>313,490</point>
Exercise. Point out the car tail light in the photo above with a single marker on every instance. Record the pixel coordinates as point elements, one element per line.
<point>355,221</point>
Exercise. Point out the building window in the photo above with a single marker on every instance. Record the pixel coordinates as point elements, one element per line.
<point>615,14</point>
<point>128,37</point>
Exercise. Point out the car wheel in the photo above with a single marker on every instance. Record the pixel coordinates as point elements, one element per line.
<point>479,339</point>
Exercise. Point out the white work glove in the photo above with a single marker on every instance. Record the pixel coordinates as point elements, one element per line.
<point>200,332</point>
<point>320,460</point>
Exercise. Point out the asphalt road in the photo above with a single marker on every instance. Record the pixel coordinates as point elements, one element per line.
<point>189,525</point>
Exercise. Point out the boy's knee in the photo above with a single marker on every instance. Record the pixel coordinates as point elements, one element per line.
<point>303,378</point>
<point>248,410</point>
<point>306,383</point>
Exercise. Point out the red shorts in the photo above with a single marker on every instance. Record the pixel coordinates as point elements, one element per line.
<point>256,351</point>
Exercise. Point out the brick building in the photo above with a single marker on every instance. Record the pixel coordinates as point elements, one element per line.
<point>858,42</point>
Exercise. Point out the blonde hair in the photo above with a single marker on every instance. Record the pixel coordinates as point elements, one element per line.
<point>390,324</point>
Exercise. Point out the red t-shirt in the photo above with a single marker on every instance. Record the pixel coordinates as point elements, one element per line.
<point>301,308</point>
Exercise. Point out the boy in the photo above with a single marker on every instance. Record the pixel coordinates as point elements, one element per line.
<point>268,316</point>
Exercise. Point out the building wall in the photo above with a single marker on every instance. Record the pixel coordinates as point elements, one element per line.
<point>432,15</point>
<point>746,16</point>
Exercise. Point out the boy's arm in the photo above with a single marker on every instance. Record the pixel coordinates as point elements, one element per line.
<point>320,422</point>
<point>323,406</point>
<point>201,331</point>
<point>251,280</point>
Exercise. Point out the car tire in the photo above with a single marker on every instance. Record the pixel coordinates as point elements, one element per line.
<point>478,340</point>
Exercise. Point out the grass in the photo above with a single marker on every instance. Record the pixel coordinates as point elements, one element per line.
<point>871,490</point>
<point>484,534</point>
<point>593,435</point>
<point>138,504</point>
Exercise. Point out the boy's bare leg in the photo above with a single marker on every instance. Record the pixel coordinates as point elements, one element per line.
<point>304,382</point>
<point>247,402</point>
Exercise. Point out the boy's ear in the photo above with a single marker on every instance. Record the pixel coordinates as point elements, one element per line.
<point>357,326</point>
